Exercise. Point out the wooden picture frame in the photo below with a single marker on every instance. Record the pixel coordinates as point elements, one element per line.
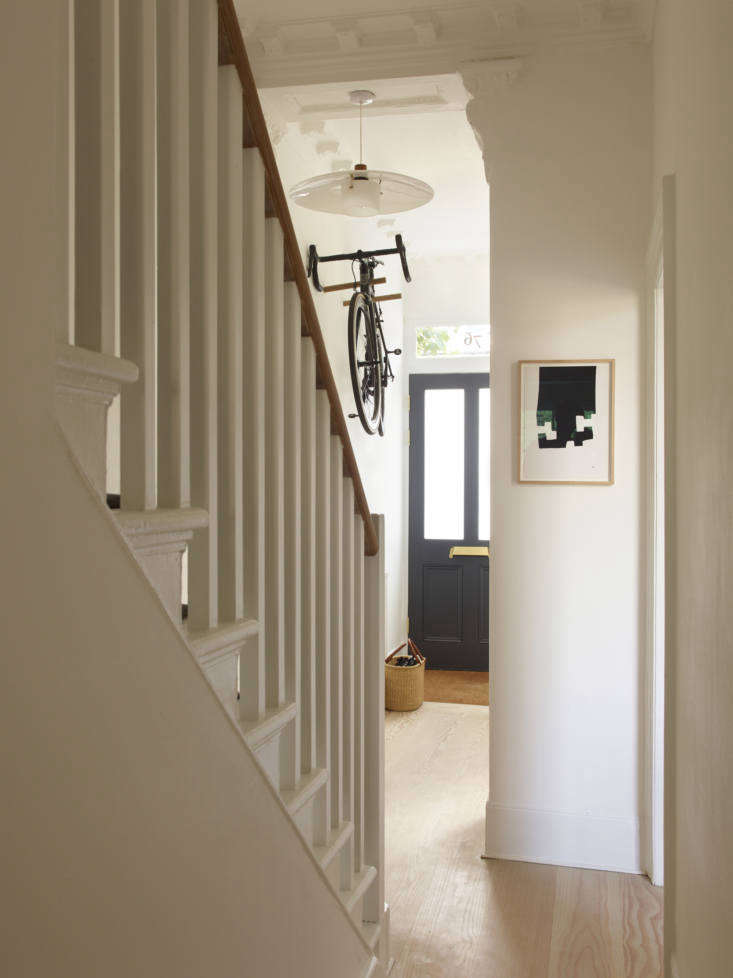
<point>553,395</point>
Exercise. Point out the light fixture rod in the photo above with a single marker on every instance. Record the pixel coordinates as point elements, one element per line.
<point>361,97</point>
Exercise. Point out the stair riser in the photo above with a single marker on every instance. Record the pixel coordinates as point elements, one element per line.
<point>162,560</point>
<point>223,677</point>
<point>305,820</point>
<point>275,756</point>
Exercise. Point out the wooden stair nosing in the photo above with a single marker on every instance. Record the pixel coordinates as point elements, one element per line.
<point>337,839</point>
<point>258,732</point>
<point>212,645</point>
<point>136,523</point>
<point>295,798</point>
<point>362,881</point>
<point>91,363</point>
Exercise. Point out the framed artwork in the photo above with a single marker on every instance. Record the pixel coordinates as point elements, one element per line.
<point>566,412</point>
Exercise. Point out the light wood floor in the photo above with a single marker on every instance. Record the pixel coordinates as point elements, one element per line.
<point>454,915</point>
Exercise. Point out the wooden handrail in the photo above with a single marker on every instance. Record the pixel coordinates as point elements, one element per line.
<point>232,51</point>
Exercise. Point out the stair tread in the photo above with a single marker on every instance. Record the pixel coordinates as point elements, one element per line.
<point>150,521</point>
<point>258,732</point>
<point>102,366</point>
<point>308,785</point>
<point>361,883</point>
<point>212,644</point>
<point>337,839</point>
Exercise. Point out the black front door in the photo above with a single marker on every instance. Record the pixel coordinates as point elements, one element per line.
<point>449,519</point>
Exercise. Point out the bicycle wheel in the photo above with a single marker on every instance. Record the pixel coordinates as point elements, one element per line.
<point>382,357</point>
<point>364,363</point>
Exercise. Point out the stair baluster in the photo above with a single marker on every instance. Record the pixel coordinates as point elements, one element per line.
<point>359,739</point>
<point>374,644</point>
<point>173,194</point>
<point>252,657</point>
<point>323,606</point>
<point>308,647</point>
<point>292,529</point>
<point>138,243</point>
<point>96,198</point>
<point>348,659</point>
<point>203,558</point>
<point>336,640</point>
<point>230,218</point>
<point>274,464</point>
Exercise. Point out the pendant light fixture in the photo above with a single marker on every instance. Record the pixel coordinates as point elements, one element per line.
<point>361,192</point>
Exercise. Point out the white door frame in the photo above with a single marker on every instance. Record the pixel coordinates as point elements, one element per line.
<point>659,319</point>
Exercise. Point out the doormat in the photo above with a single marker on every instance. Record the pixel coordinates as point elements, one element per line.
<point>449,686</point>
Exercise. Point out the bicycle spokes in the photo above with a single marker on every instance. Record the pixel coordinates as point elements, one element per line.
<point>365,363</point>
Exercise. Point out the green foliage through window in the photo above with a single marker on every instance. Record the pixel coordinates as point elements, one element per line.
<point>452,341</point>
<point>432,342</point>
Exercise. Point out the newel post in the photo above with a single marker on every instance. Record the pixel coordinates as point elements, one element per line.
<point>374,653</point>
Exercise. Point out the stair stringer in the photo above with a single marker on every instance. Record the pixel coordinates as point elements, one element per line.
<point>156,800</point>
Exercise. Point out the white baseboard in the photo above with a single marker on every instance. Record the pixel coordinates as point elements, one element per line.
<point>673,967</point>
<point>562,839</point>
<point>374,969</point>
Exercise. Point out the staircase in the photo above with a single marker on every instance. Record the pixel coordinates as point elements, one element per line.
<point>191,306</point>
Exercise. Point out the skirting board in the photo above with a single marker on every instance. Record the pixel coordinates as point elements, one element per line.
<point>561,839</point>
<point>374,970</point>
<point>673,965</point>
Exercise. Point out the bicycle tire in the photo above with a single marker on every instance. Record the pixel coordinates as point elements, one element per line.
<point>383,398</point>
<point>369,380</point>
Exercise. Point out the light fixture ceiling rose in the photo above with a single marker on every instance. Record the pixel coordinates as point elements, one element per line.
<point>361,96</point>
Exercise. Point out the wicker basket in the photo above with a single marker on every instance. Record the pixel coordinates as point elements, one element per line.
<point>404,686</point>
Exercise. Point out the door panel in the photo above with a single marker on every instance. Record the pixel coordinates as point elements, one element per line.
<point>443,603</point>
<point>449,506</point>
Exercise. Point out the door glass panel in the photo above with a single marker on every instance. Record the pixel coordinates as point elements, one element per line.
<point>444,437</point>
<point>484,454</point>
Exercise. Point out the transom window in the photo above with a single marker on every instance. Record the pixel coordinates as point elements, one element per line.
<point>452,341</point>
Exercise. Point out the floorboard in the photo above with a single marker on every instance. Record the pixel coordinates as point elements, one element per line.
<point>455,914</point>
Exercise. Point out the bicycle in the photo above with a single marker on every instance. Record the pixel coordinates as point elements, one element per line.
<point>369,363</point>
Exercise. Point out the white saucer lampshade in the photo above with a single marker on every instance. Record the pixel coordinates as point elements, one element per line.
<point>361,192</point>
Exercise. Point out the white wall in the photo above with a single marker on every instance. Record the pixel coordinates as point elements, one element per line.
<point>693,96</point>
<point>448,291</point>
<point>379,459</point>
<point>139,836</point>
<point>567,152</point>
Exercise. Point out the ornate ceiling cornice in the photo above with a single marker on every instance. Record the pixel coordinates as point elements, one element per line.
<point>410,42</point>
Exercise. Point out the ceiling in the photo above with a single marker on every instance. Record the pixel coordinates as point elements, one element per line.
<point>415,126</point>
<point>330,40</point>
<point>413,55</point>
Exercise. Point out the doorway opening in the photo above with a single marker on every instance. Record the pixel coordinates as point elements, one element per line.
<point>449,532</point>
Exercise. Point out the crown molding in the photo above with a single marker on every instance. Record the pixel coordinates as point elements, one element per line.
<point>405,42</point>
<point>488,77</point>
<point>311,106</point>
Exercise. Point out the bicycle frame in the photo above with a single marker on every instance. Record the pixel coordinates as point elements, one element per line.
<point>368,261</point>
